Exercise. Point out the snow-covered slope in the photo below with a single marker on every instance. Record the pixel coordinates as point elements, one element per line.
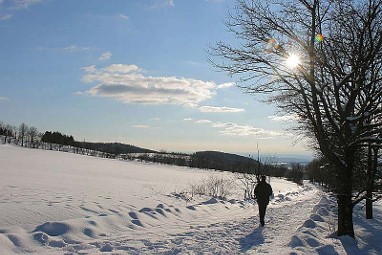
<point>62,203</point>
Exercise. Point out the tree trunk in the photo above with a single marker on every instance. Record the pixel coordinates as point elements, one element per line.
<point>370,184</point>
<point>369,203</point>
<point>345,215</point>
<point>344,196</point>
<point>370,187</point>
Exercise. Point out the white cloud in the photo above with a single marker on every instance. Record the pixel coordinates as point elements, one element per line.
<point>193,63</point>
<point>163,4</point>
<point>122,16</point>
<point>4,98</point>
<point>188,119</point>
<point>226,85</point>
<point>13,6</point>
<point>203,121</point>
<point>22,4</point>
<point>123,69</point>
<point>73,48</point>
<point>79,93</point>
<point>70,48</point>
<point>6,16</point>
<point>222,109</point>
<point>128,84</point>
<point>233,129</point>
<point>105,56</point>
<point>283,118</point>
<point>140,126</point>
<point>89,69</point>
<point>170,3</point>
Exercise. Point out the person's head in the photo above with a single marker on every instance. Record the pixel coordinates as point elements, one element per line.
<point>263,177</point>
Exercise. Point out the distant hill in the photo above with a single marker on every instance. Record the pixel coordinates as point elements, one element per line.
<point>223,161</point>
<point>113,148</point>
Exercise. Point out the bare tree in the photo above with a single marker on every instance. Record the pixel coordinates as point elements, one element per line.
<point>22,131</point>
<point>319,60</point>
<point>33,136</point>
<point>11,132</point>
<point>248,182</point>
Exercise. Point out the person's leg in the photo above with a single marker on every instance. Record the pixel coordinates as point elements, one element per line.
<point>262,214</point>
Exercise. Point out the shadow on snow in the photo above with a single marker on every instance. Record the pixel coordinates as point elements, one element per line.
<point>255,238</point>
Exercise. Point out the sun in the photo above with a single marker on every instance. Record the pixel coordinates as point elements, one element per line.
<point>293,61</point>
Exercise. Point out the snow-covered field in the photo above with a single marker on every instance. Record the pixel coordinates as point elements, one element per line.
<point>61,203</point>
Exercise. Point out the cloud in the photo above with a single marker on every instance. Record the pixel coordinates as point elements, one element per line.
<point>283,118</point>
<point>222,109</point>
<point>226,85</point>
<point>123,17</point>
<point>70,48</point>
<point>105,56</point>
<point>6,16</point>
<point>202,121</point>
<point>74,48</point>
<point>140,126</point>
<point>20,4</point>
<point>169,3</point>
<point>4,99</point>
<point>193,63</point>
<point>233,129</point>
<point>79,93</point>
<point>162,4</point>
<point>129,84</point>
<point>89,69</point>
<point>12,6</point>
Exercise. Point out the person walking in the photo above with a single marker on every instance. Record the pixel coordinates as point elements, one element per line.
<point>262,193</point>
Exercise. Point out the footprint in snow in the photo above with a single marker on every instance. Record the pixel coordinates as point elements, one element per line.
<point>160,211</point>
<point>133,215</point>
<point>191,208</point>
<point>146,210</point>
<point>53,228</point>
<point>137,222</point>
<point>89,232</point>
<point>15,240</point>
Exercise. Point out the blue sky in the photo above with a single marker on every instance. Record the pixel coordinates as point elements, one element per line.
<point>130,71</point>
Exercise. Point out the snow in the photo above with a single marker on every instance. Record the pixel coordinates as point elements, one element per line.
<point>63,203</point>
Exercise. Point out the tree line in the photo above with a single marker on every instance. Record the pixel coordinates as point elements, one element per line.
<point>220,161</point>
<point>334,91</point>
<point>26,136</point>
<point>22,135</point>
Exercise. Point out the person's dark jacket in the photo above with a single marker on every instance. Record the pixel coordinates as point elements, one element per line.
<point>262,192</point>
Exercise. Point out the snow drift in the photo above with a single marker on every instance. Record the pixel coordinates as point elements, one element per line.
<point>61,203</point>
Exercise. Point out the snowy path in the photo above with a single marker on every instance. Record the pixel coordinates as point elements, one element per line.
<point>243,236</point>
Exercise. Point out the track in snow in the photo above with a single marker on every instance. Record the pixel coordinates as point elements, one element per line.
<point>233,237</point>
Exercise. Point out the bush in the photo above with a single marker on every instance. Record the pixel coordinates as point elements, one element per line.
<point>214,186</point>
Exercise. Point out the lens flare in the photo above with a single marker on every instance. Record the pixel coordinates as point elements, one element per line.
<point>272,45</point>
<point>319,38</point>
